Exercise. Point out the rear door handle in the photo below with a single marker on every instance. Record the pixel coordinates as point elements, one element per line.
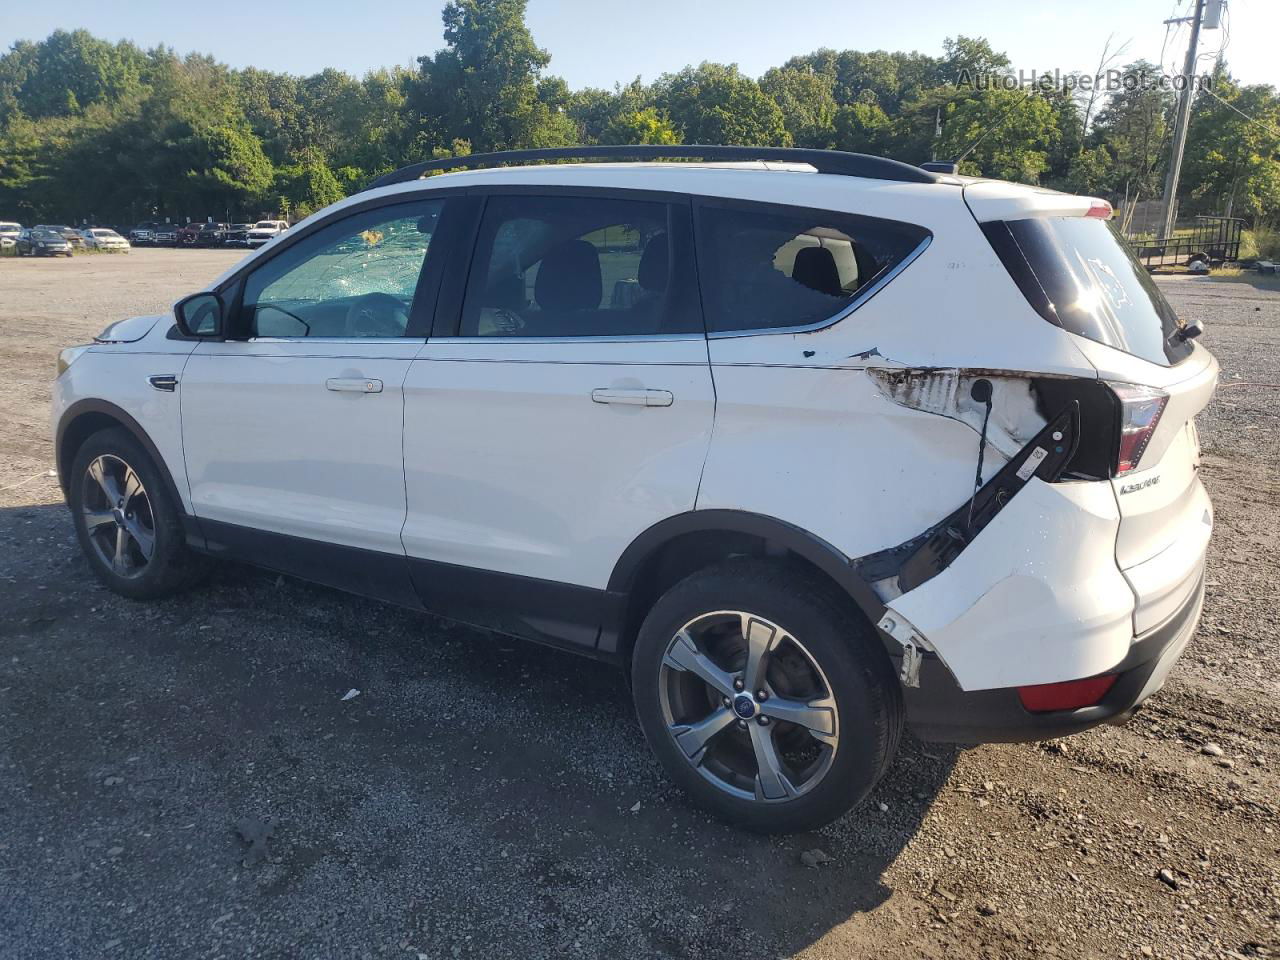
<point>353,385</point>
<point>638,398</point>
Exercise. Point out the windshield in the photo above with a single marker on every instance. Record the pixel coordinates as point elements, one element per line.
<point>104,233</point>
<point>1079,274</point>
<point>264,225</point>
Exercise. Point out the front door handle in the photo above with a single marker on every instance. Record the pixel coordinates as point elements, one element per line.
<point>638,398</point>
<point>353,385</point>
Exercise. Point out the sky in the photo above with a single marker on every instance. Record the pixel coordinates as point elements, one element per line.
<point>601,42</point>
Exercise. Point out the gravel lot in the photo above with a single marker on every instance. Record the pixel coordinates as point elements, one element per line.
<point>484,798</point>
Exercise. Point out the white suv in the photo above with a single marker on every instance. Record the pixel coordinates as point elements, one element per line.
<point>813,444</point>
<point>266,230</point>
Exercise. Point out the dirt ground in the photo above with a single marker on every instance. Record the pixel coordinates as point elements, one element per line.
<point>483,798</point>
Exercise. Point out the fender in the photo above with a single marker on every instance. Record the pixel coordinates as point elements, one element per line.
<point>103,408</point>
<point>774,532</point>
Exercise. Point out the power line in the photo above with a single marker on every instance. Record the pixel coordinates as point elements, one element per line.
<point>1226,103</point>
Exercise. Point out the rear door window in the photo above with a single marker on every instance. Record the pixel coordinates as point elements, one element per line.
<point>571,266</point>
<point>1080,275</point>
<point>776,267</point>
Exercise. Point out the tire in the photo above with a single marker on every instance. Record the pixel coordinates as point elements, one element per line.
<point>824,659</point>
<point>132,568</point>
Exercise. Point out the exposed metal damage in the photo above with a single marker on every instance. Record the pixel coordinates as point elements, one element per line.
<point>1015,415</point>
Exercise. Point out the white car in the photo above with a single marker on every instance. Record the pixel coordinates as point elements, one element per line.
<point>9,233</point>
<point>264,231</point>
<point>100,238</point>
<point>814,444</point>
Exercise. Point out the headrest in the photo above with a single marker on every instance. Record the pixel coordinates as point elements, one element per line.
<point>815,267</point>
<point>569,278</point>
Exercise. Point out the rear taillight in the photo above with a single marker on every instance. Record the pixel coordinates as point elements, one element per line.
<point>1140,412</point>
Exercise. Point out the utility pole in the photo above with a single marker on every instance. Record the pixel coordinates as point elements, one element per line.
<point>1181,121</point>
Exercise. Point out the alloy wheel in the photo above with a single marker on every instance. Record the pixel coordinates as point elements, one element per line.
<point>748,706</point>
<point>117,516</point>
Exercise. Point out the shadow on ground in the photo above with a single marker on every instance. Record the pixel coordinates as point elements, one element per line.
<point>478,796</point>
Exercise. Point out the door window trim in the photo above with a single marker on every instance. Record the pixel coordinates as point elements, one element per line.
<point>878,283</point>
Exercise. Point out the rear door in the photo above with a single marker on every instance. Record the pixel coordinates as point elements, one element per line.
<point>565,406</point>
<point>294,427</point>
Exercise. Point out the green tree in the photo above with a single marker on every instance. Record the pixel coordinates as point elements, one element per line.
<point>1232,164</point>
<point>1134,128</point>
<point>715,103</point>
<point>483,86</point>
<point>642,126</point>
<point>806,99</point>
<point>308,186</point>
<point>1006,134</point>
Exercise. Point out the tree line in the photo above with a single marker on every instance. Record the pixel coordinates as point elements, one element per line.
<point>107,131</point>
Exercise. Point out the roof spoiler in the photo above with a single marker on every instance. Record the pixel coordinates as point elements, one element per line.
<point>837,162</point>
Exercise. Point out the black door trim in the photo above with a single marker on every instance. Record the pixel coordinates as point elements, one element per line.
<point>367,573</point>
<point>556,614</point>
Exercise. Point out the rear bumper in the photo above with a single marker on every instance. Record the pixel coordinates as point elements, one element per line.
<point>939,710</point>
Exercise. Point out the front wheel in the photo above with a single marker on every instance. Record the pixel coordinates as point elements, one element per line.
<point>126,520</point>
<point>764,697</point>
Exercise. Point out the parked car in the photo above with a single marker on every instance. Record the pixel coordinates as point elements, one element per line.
<point>211,235</point>
<point>42,242</point>
<point>9,232</point>
<point>718,423</point>
<point>165,235</point>
<point>104,238</point>
<point>70,234</point>
<point>265,230</point>
<point>143,235</point>
<point>189,234</point>
<point>238,235</point>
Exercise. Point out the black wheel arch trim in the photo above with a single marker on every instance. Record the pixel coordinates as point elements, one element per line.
<point>93,406</point>
<point>823,555</point>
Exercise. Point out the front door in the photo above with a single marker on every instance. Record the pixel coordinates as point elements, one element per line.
<point>292,432</point>
<point>567,409</point>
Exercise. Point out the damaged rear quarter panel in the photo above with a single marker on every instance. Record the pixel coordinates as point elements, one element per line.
<point>827,451</point>
<point>1028,602</point>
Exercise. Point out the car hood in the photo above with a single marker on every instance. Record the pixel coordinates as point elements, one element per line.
<point>128,331</point>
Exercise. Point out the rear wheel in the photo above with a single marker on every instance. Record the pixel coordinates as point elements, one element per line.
<point>127,522</point>
<point>760,692</point>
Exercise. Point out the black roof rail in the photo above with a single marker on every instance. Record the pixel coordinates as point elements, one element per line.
<point>824,161</point>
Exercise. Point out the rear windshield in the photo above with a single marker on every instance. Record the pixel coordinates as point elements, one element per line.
<point>1079,274</point>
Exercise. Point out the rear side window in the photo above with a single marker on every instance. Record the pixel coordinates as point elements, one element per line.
<point>1080,275</point>
<point>770,267</point>
<point>563,266</point>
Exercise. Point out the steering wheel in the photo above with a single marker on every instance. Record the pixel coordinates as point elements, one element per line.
<point>377,315</point>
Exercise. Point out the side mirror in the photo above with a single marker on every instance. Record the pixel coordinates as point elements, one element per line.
<point>1192,330</point>
<point>199,315</point>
